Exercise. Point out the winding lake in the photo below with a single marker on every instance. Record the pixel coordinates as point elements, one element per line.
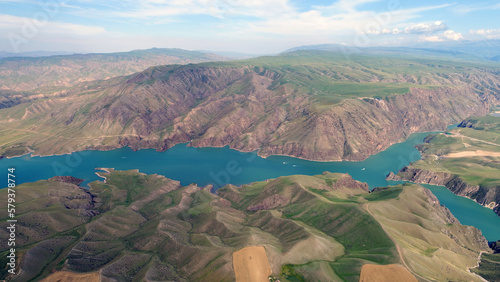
<point>220,166</point>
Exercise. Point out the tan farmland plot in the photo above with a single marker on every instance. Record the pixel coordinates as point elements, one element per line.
<point>251,264</point>
<point>477,153</point>
<point>67,276</point>
<point>382,273</point>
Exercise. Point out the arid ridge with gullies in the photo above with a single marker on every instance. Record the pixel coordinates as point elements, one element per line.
<point>314,105</point>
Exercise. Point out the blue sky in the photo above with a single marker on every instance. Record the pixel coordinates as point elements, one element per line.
<point>259,26</point>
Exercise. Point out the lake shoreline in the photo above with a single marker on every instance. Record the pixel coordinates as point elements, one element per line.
<point>33,153</point>
<point>215,166</point>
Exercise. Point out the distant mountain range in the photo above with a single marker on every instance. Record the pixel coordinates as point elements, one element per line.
<point>233,55</point>
<point>33,54</point>
<point>59,71</point>
<point>486,49</point>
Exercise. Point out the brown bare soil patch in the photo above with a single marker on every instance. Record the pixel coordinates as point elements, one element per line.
<point>251,264</point>
<point>66,276</point>
<point>382,273</point>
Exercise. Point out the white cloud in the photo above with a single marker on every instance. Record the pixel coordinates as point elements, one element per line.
<point>345,22</point>
<point>22,25</point>
<point>416,28</point>
<point>422,28</point>
<point>21,32</point>
<point>251,25</point>
<point>488,33</point>
<point>465,9</point>
<point>345,5</point>
<point>154,9</point>
<point>448,35</point>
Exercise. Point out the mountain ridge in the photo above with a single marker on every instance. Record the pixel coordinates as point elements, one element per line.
<point>313,105</point>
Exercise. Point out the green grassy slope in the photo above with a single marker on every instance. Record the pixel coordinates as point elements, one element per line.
<point>148,227</point>
<point>361,236</point>
<point>422,230</point>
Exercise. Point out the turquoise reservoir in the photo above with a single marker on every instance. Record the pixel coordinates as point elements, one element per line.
<point>220,166</point>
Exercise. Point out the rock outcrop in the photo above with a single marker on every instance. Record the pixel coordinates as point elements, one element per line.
<point>420,176</point>
<point>346,181</point>
<point>67,179</point>
<point>495,246</point>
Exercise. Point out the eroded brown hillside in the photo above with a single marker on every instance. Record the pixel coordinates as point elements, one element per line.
<point>318,108</point>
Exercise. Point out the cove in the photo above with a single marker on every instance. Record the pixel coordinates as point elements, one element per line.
<point>469,212</point>
<point>220,166</point>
